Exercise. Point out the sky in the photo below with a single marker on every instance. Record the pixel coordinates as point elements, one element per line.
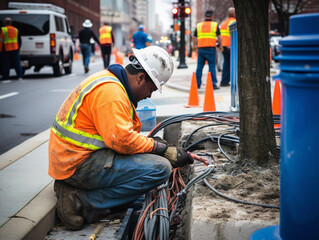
<point>163,9</point>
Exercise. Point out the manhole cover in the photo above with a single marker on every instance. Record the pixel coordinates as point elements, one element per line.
<point>6,116</point>
<point>28,134</point>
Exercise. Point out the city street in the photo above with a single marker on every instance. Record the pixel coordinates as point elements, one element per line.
<point>28,107</point>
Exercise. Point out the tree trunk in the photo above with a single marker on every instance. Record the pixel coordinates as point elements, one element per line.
<point>257,136</point>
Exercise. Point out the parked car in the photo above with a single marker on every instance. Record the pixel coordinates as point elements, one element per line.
<point>46,38</point>
<point>274,46</point>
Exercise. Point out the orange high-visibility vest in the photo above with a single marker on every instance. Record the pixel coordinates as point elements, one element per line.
<point>206,34</point>
<point>97,114</point>
<point>64,123</point>
<point>9,38</point>
<point>224,31</point>
<point>105,35</point>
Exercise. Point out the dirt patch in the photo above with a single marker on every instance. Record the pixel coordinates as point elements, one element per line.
<point>240,180</point>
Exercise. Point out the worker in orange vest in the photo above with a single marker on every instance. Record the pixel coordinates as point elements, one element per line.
<point>205,39</point>
<point>10,43</point>
<point>224,30</point>
<point>106,41</point>
<point>97,156</point>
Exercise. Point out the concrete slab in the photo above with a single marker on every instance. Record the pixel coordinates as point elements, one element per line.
<point>22,180</point>
<point>34,220</point>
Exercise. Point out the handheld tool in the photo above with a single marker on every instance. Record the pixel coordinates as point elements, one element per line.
<point>96,232</point>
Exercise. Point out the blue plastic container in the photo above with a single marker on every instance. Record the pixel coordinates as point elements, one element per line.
<point>299,166</point>
<point>146,112</point>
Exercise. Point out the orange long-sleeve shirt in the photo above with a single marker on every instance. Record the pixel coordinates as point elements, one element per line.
<point>105,111</point>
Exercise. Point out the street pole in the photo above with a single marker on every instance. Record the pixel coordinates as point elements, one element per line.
<point>190,34</point>
<point>182,63</point>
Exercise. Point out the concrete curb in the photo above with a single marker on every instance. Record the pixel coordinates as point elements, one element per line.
<point>23,149</point>
<point>36,218</point>
<point>33,221</point>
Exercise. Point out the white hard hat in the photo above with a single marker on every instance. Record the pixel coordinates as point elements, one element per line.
<point>157,63</point>
<point>87,23</point>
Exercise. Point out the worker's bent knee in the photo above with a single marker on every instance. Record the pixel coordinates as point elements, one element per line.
<point>160,167</point>
<point>163,167</point>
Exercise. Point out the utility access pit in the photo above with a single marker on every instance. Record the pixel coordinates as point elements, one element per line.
<point>211,216</point>
<point>232,201</point>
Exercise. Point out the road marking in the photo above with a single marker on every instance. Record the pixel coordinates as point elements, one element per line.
<point>6,81</point>
<point>8,95</point>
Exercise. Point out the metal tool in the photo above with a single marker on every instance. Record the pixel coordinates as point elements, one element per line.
<point>97,231</point>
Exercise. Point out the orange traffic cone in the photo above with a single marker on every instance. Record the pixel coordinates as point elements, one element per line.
<point>276,102</point>
<point>76,56</point>
<point>209,100</point>
<point>193,94</point>
<point>119,58</point>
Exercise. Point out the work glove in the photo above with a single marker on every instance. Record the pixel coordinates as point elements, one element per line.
<point>177,156</point>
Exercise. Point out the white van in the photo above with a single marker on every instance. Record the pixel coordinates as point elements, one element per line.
<point>46,36</point>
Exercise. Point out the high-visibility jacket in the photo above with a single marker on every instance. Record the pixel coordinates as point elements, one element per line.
<point>105,34</point>
<point>206,34</point>
<point>97,114</point>
<point>224,31</point>
<point>9,38</point>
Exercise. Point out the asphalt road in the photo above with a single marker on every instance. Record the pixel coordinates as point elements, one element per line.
<point>28,106</point>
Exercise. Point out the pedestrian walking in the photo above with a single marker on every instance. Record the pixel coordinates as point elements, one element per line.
<point>84,37</point>
<point>97,156</point>
<point>106,41</point>
<point>141,39</point>
<point>10,43</point>
<point>224,30</point>
<point>205,39</point>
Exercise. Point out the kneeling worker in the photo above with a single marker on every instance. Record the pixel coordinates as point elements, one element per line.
<point>97,156</point>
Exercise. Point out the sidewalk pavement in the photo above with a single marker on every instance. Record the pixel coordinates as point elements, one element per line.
<point>27,199</point>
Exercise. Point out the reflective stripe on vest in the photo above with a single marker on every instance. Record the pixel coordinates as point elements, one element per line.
<point>105,34</point>
<point>224,31</point>
<point>10,41</point>
<point>66,130</point>
<point>206,34</point>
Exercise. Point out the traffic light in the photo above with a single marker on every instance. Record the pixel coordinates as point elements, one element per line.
<point>184,11</point>
<point>175,12</point>
<point>187,11</point>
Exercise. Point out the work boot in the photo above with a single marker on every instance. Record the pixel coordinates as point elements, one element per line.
<point>69,205</point>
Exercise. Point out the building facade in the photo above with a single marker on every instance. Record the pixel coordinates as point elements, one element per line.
<point>117,13</point>
<point>76,11</point>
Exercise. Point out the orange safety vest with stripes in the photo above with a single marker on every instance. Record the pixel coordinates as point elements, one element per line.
<point>206,34</point>
<point>9,38</point>
<point>224,31</point>
<point>105,35</point>
<point>97,114</point>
